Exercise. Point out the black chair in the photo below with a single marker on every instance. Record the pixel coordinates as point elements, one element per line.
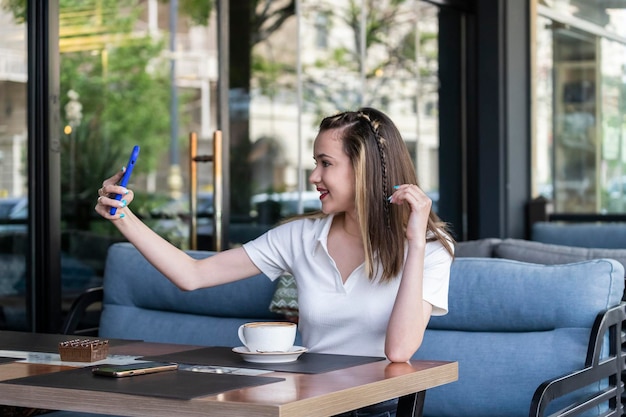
<point>411,405</point>
<point>79,311</point>
<point>608,370</point>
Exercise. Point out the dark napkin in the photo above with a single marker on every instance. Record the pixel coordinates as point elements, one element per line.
<point>183,385</point>
<point>43,342</point>
<point>307,363</point>
<point>4,359</point>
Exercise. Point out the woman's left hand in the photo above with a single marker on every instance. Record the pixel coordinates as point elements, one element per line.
<point>420,205</point>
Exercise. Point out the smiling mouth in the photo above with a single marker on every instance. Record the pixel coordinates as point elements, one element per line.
<point>323,193</point>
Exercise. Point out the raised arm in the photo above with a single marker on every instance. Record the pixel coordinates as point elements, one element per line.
<point>409,318</point>
<point>184,271</point>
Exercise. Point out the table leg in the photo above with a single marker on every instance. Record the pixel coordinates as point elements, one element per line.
<point>411,405</point>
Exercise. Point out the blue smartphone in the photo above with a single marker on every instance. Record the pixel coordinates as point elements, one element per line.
<point>129,170</point>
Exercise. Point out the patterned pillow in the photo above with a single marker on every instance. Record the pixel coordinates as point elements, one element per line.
<point>285,299</point>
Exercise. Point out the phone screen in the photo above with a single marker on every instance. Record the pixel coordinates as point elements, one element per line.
<point>126,177</point>
<point>119,371</point>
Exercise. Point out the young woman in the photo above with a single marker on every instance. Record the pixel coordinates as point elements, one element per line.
<point>371,267</point>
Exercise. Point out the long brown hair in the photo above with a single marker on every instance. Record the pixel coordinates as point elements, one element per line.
<point>380,160</point>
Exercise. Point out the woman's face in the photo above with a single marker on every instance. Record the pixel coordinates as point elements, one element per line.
<point>333,175</point>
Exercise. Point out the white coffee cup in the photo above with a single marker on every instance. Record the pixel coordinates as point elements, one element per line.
<point>268,336</point>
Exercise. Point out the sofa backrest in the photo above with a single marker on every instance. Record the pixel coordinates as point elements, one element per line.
<point>584,235</point>
<point>479,248</point>
<point>534,252</point>
<point>551,253</point>
<point>511,326</point>
<point>140,303</point>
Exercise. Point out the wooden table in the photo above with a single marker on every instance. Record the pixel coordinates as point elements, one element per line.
<point>301,395</point>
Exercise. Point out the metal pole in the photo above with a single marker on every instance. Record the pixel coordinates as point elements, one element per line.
<point>174,92</point>
<point>193,191</point>
<point>223,37</point>
<point>218,190</point>
<point>301,177</point>
<point>363,51</point>
<point>175,177</point>
<point>43,267</point>
<point>218,186</point>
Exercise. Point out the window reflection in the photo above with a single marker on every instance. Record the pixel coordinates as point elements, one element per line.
<point>576,100</point>
<point>613,127</point>
<point>397,72</point>
<point>121,82</point>
<point>13,184</point>
<point>580,102</point>
<point>286,72</point>
<point>605,14</point>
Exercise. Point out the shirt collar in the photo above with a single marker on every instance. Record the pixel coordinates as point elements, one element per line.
<point>321,234</point>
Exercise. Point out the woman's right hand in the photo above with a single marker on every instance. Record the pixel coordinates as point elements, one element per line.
<point>106,198</point>
<point>421,206</point>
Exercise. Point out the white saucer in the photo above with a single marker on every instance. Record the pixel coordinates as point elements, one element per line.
<point>270,357</point>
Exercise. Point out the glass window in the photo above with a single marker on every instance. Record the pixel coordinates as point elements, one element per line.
<point>146,73</point>
<point>604,14</point>
<point>395,70</point>
<point>579,95</point>
<point>116,91</point>
<point>321,30</point>
<point>613,127</point>
<point>543,138</point>
<point>575,121</point>
<point>13,170</point>
<point>116,84</point>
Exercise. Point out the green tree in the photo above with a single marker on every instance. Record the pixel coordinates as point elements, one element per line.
<point>17,7</point>
<point>124,92</point>
<point>334,81</point>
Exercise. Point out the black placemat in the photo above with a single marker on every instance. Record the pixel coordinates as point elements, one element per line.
<point>42,342</point>
<point>183,385</point>
<point>307,363</point>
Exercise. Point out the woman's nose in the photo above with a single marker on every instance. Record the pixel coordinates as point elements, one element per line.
<point>314,177</point>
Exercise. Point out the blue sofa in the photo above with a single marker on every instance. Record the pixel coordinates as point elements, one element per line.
<point>512,325</point>
<point>139,303</point>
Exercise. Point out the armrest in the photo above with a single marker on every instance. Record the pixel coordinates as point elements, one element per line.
<point>78,310</point>
<point>607,370</point>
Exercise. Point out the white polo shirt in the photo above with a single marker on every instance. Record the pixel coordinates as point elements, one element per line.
<point>334,317</point>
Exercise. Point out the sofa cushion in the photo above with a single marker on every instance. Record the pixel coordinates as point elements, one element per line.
<point>140,303</point>
<point>481,248</point>
<point>245,298</point>
<point>513,325</point>
<point>501,295</point>
<point>549,254</point>
<point>285,300</point>
<point>499,372</point>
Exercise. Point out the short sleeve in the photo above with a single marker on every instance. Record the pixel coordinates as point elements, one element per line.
<point>275,251</point>
<point>437,265</point>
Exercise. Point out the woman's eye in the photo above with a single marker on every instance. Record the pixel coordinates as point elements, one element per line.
<point>322,163</point>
